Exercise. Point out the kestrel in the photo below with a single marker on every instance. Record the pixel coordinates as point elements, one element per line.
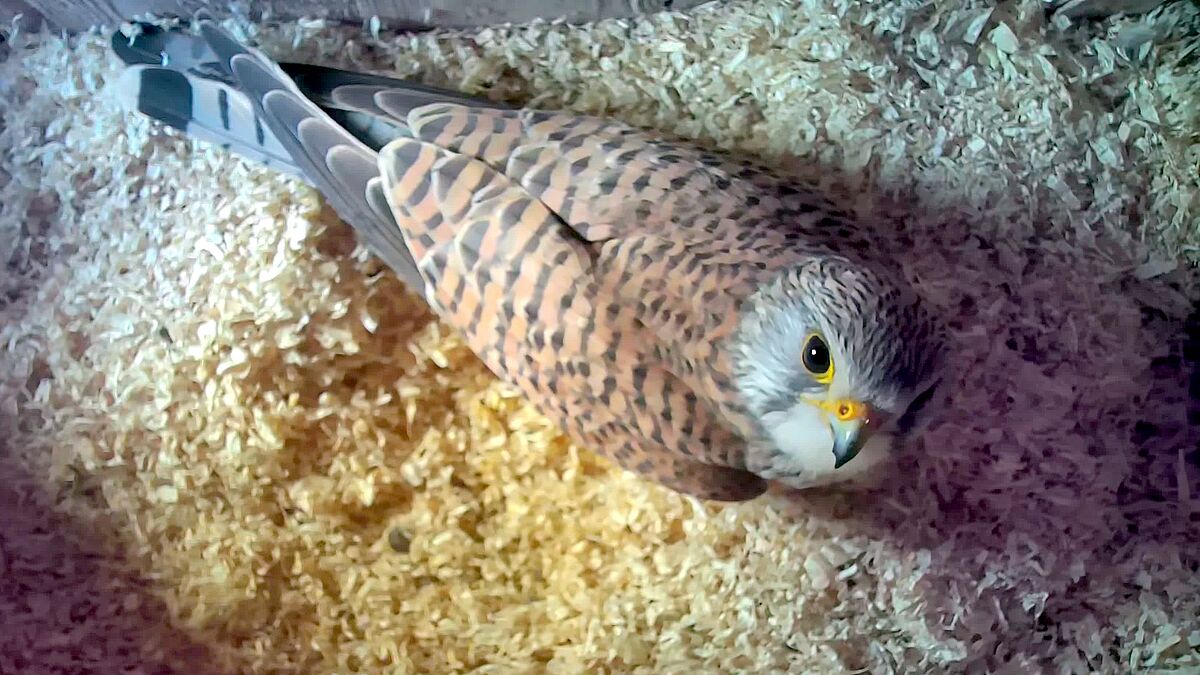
<point>699,319</point>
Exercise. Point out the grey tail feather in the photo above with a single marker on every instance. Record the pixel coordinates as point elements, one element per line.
<point>208,110</point>
<point>348,96</point>
<point>151,45</point>
<point>174,49</point>
<point>219,90</point>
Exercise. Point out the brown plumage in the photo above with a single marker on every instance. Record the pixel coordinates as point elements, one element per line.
<point>655,300</point>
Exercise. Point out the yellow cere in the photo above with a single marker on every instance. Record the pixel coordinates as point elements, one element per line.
<point>844,409</point>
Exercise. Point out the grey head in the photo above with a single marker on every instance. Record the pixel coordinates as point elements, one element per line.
<point>827,357</point>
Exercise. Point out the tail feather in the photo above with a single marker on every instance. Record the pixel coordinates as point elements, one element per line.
<point>173,49</point>
<point>334,159</point>
<point>372,107</point>
<point>154,46</point>
<point>215,89</point>
<point>207,110</point>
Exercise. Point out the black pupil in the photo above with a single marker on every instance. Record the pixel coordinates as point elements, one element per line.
<point>816,356</point>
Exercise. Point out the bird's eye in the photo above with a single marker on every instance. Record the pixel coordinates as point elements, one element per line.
<point>816,359</point>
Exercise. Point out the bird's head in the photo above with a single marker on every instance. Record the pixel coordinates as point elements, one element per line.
<point>827,358</point>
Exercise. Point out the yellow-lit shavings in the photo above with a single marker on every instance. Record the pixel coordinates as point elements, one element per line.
<point>311,476</point>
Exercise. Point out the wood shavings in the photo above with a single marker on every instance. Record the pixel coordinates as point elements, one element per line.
<point>202,371</point>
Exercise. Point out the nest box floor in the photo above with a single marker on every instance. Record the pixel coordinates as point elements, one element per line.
<point>232,444</point>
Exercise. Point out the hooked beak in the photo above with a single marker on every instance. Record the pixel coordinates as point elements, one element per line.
<point>848,439</point>
<point>852,423</point>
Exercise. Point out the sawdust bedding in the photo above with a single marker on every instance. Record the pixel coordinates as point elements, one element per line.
<point>234,446</point>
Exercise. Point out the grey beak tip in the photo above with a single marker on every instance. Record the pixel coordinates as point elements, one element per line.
<point>843,455</point>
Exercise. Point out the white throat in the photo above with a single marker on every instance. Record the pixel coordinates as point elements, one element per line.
<point>804,444</point>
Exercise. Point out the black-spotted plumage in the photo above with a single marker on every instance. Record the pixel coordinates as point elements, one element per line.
<point>650,297</point>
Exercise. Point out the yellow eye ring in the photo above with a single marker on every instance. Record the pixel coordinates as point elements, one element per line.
<point>816,359</point>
